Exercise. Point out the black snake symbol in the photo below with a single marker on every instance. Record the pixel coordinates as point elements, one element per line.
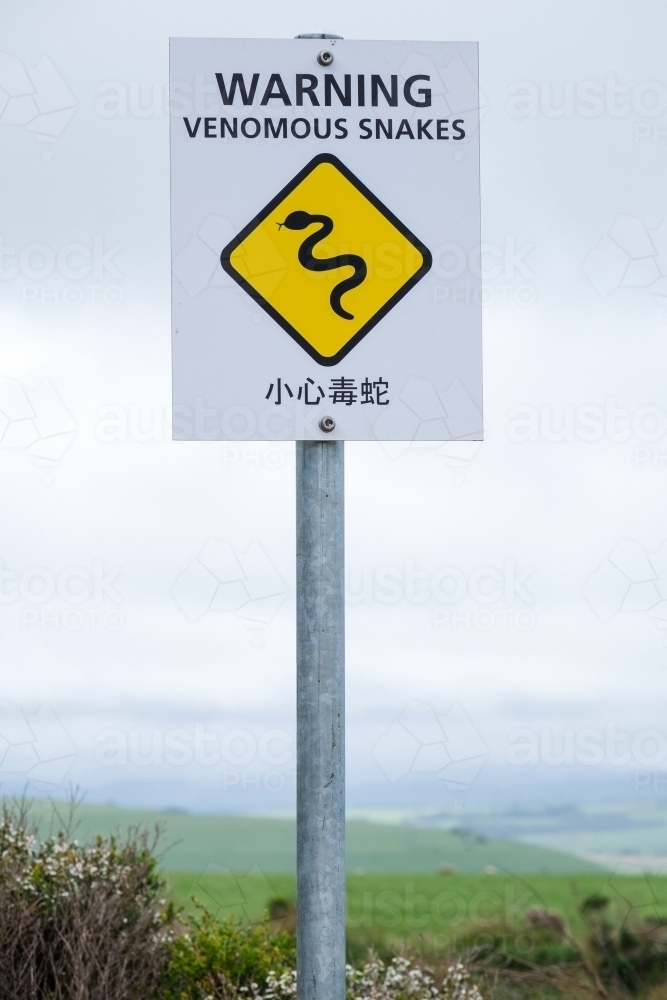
<point>301,220</point>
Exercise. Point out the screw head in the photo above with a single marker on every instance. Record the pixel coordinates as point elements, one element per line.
<point>327,424</point>
<point>325,57</point>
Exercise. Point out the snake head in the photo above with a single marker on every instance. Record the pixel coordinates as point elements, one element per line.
<point>296,220</point>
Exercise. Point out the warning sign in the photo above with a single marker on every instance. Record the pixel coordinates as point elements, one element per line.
<point>326,254</point>
<point>326,259</point>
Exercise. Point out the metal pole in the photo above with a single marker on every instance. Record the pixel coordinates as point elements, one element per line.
<point>320,809</point>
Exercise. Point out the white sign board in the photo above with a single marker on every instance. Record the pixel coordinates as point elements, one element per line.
<point>325,223</point>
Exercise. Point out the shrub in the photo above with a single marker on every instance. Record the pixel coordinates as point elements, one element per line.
<point>78,922</point>
<point>218,959</point>
<point>594,904</point>
<point>399,980</point>
<point>282,915</point>
<point>629,955</point>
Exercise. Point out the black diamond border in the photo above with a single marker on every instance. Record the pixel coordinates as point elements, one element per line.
<point>267,307</point>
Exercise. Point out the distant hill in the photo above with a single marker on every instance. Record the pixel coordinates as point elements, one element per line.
<point>194,843</point>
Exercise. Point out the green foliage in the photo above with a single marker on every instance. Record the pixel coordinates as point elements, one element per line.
<point>594,903</point>
<point>278,908</point>
<point>218,958</point>
<point>519,947</point>
<point>628,955</point>
<point>545,926</point>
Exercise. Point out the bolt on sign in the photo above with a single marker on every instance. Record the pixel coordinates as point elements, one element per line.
<point>325,240</point>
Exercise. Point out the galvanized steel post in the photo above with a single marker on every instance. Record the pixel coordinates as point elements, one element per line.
<point>320,608</point>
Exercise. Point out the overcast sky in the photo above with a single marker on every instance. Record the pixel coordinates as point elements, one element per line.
<point>522,624</point>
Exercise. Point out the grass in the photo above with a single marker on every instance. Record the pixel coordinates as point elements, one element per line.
<point>431,912</point>
<point>396,902</point>
<point>198,843</point>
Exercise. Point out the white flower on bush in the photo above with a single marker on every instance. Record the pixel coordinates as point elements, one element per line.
<point>375,981</point>
<point>455,985</point>
<point>281,986</point>
<point>400,979</point>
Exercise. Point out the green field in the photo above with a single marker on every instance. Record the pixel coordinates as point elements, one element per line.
<point>430,912</point>
<point>233,866</point>
<point>198,843</point>
<point>632,833</point>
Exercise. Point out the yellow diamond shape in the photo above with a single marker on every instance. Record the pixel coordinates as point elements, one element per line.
<point>326,259</point>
